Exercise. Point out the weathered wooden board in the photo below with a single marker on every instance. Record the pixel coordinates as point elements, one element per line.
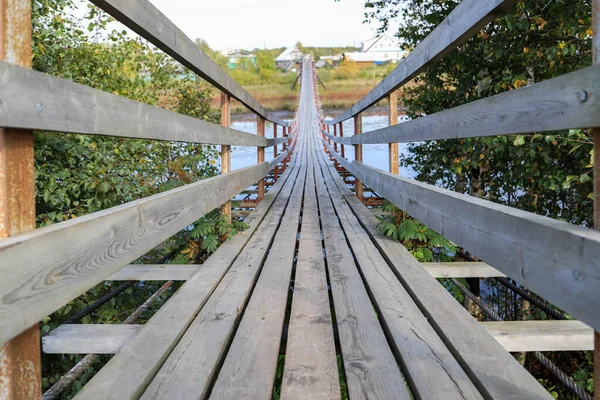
<point>88,338</point>
<point>129,372</point>
<point>423,355</point>
<point>155,272</point>
<point>340,139</point>
<point>461,270</point>
<point>518,336</point>
<point>147,21</point>
<point>251,363</point>
<point>495,372</point>
<point>551,105</point>
<point>203,345</point>
<point>310,370</point>
<point>35,100</point>
<point>83,251</point>
<point>513,241</point>
<point>466,19</point>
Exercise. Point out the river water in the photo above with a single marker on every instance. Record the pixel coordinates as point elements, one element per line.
<point>375,155</point>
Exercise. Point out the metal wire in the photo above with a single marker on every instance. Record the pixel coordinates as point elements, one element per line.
<point>534,300</point>
<point>78,316</point>
<point>557,372</point>
<point>67,379</point>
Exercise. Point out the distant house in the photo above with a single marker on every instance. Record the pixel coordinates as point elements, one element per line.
<point>286,60</point>
<point>322,64</point>
<point>237,56</point>
<point>378,50</point>
<point>334,60</point>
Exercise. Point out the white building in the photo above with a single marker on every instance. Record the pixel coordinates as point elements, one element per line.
<point>378,50</point>
<point>289,57</point>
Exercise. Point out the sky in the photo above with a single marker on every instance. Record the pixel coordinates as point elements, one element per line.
<point>249,24</point>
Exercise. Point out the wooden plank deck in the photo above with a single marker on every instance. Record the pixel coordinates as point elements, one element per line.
<point>311,298</point>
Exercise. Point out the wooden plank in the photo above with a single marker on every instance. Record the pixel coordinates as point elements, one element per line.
<point>358,156</point>
<point>495,372</point>
<point>88,338</point>
<point>20,359</point>
<point>83,251</point>
<point>519,336</point>
<point>226,150</point>
<point>461,270</point>
<point>129,372</point>
<point>340,139</point>
<point>204,343</point>
<point>393,120</point>
<point>147,21</point>
<point>466,19</point>
<point>260,155</point>
<point>34,100</point>
<point>310,370</point>
<point>513,241</point>
<point>554,104</point>
<point>155,272</point>
<point>370,367</point>
<point>251,362</point>
<point>424,357</point>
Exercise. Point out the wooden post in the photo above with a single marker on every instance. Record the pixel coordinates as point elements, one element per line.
<point>393,120</point>
<point>343,152</point>
<point>20,361</point>
<point>226,150</point>
<point>596,134</point>
<point>358,156</point>
<point>275,151</point>
<point>285,146</point>
<point>260,156</point>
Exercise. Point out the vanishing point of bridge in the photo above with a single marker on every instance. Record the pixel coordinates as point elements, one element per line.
<point>353,312</point>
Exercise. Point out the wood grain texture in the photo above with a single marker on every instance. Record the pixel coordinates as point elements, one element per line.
<point>424,357</point>
<point>88,338</point>
<point>34,100</point>
<point>518,336</point>
<point>83,251</point>
<point>251,362</point>
<point>466,19</point>
<point>513,241</point>
<point>155,272</point>
<point>147,21</point>
<point>129,372</point>
<point>461,270</point>
<point>191,366</point>
<point>310,370</point>
<point>495,372</point>
<point>551,105</point>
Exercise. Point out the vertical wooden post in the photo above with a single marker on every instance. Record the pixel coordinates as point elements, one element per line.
<point>596,134</point>
<point>20,368</point>
<point>393,120</point>
<point>260,156</point>
<point>275,151</point>
<point>285,146</point>
<point>335,145</point>
<point>343,152</point>
<point>226,150</point>
<point>358,155</point>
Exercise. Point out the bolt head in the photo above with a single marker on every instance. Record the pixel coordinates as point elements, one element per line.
<point>583,96</point>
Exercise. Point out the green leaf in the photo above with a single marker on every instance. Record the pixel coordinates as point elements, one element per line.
<point>519,140</point>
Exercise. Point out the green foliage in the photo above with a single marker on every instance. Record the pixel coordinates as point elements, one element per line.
<point>425,244</point>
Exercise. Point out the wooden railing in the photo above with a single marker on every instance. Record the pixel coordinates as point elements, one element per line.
<point>555,259</point>
<point>43,269</point>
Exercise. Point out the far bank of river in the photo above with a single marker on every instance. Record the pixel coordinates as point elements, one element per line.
<point>375,155</point>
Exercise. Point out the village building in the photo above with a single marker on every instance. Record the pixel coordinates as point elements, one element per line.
<point>237,56</point>
<point>288,59</point>
<point>375,51</point>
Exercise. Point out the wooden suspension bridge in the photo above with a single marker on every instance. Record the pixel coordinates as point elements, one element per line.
<point>363,311</point>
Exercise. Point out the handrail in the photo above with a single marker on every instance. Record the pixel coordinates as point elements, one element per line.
<point>468,17</point>
<point>81,252</point>
<point>34,100</point>
<point>147,21</point>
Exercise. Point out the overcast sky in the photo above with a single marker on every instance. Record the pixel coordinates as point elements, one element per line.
<point>252,24</point>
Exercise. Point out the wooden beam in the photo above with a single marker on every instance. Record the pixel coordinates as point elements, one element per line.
<point>596,135</point>
<point>342,140</point>
<point>226,149</point>
<point>260,155</point>
<point>566,102</point>
<point>513,241</point>
<point>147,21</point>
<point>466,19</point>
<point>358,155</point>
<point>155,272</point>
<point>518,336</point>
<point>34,100</point>
<point>393,120</point>
<point>461,270</point>
<point>20,359</point>
<point>88,338</point>
<point>82,252</point>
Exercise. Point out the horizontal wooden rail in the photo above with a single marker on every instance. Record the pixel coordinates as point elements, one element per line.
<point>155,272</point>
<point>514,336</point>
<point>569,101</point>
<point>34,100</point>
<point>147,21</point>
<point>44,269</point>
<point>467,18</point>
<point>557,260</point>
<point>347,140</point>
<point>461,270</point>
<point>273,142</point>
